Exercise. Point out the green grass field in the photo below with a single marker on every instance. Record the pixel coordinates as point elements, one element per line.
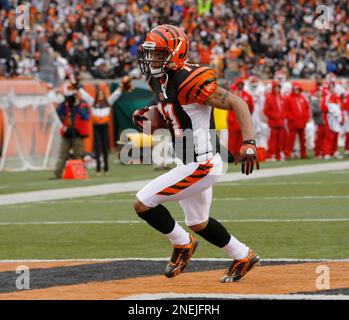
<point>278,217</point>
<point>12,182</point>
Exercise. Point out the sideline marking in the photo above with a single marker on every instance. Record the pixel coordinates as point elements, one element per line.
<point>120,187</point>
<point>305,197</point>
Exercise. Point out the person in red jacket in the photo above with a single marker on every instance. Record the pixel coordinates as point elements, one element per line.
<point>346,123</point>
<point>297,114</point>
<point>74,114</point>
<point>275,112</point>
<point>234,130</point>
<point>331,107</point>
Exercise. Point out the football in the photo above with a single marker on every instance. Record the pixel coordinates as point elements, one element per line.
<point>149,119</point>
<point>156,119</point>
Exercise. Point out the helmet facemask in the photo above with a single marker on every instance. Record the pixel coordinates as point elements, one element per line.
<point>154,61</point>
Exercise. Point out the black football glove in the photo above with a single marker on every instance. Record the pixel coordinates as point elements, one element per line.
<point>248,157</point>
<point>139,116</point>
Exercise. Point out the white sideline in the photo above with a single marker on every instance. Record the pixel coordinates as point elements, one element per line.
<point>304,197</point>
<point>171,295</point>
<point>165,259</point>
<point>180,221</point>
<point>77,192</point>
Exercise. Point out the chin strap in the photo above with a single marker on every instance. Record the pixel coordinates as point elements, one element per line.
<point>164,86</point>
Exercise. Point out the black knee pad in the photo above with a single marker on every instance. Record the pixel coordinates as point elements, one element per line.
<point>159,218</point>
<point>215,233</point>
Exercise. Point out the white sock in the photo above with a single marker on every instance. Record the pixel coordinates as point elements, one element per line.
<point>236,249</point>
<point>178,236</point>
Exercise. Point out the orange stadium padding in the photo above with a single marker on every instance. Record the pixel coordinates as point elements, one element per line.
<point>75,169</point>
<point>22,86</point>
<point>40,134</point>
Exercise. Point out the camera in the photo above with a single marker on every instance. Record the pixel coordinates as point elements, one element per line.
<point>71,99</point>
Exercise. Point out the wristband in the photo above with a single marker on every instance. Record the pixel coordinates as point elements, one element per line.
<point>250,142</point>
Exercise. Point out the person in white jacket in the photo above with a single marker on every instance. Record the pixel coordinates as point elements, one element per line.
<point>101,117</point>
<point>256,89</point>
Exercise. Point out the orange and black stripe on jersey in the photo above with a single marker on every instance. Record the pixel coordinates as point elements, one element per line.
<point>201,171</point>
<point>196,85</point>
<point>170,104</point>
<point>191,84</point>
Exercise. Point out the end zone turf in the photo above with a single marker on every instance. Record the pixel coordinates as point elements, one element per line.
<point>144,279</point>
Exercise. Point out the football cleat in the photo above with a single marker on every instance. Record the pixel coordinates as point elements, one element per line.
<point>239,268</point>
<point>180,257</point>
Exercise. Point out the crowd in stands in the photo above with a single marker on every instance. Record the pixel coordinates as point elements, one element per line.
<point>100,38</point>
<point>251,40</point>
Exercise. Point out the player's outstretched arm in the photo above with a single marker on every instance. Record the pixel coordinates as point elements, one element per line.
<point>223,99</point>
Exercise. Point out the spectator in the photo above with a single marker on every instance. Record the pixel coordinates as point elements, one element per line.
<point>101,117</point>
<point>102,70</point>
<point>266,36</point>
<point>333,117</point>
<point>274,109</point>
<point>331,63</point>
<point>26,65</point>
<point>234,131</point>
<point>280,77</point>
<point>85,73</point>
<point>297,114</point>
<point>80,56</point>
<point>256,89</point>
<point>315,105</point>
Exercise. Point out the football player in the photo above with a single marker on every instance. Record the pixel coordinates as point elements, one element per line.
<point>186,95</point>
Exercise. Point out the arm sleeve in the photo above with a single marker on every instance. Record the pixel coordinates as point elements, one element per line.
<point>268,109</point>
<point>114,96</point>
<point>86,96</point>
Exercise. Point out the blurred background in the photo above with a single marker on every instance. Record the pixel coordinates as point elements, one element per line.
<point>95,42</point>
